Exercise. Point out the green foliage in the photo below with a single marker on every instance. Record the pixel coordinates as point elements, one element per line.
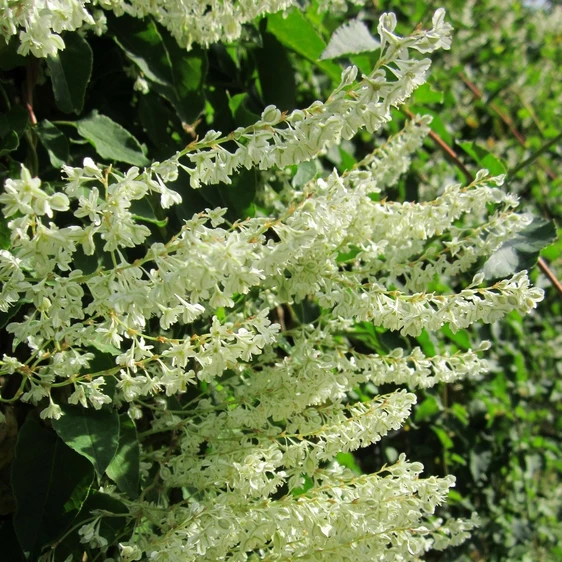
<point>92,433</point>
<point>522,251</point>
<point>70,72</point>
<point>500,435</point>
<point>124,468</point>
<point>111,140</point>
<point>504,429</point>
<point>50,484</point>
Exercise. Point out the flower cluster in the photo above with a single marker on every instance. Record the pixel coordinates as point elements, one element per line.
<point>203,312</point>
<point>39,23</point>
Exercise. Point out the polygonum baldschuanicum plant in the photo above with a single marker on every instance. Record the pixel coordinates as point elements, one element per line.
<point>248,411</point>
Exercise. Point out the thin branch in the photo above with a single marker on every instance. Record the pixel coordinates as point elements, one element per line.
<point>31,80</point>
<point>446,149</point>
<point>478,94</point>
<point>543,266</point>
<point>535,155</point>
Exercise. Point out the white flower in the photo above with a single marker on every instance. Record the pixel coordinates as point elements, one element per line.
<point>52,411</point>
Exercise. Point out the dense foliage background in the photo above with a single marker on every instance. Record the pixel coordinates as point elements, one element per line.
<point>133,96</point>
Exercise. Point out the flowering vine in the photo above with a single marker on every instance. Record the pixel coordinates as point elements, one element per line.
<point>254,452</point>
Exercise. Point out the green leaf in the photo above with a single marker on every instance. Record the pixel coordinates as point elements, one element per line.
<point>54,142</point>
<point>15,119</point>
<point>50,483</point>
<point>347,160</point>
<point>241,194</point>
<point>272,62</point>
<point>305,172</point>
<point>5,233</point>
<point>460,412</point>
<point>554,251</point>
<point>9,143</point>
<point>143,211</point>
<point>152,49</point>
<point>110,140</point>
<point>189,71</point>
<point>351,38</point>
<point>426,343</point>
<point>349,461</point>
<point>425,94</point>
<point>5,317</point>
<point>124,468</point>
<point>92,433</point>
<point>522,251</point>
<point>9,58</point>
<point>70,73</point>
<point>12,126</point>
<point>483,158</point>
<point>460,338</point>
<point>243,117</point>
<point>443,436</point>
<point>110,527</point>
<point>297,33</point>
<point>426,410</point>
<point>156,116</point>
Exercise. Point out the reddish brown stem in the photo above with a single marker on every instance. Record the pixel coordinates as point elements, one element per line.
<point>31,75</point>
<point>543,266</point>
<point>478,94</point>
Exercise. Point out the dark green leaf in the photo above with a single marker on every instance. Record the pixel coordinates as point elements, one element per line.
<point>9,57</point>
<point>272,62</point>
<point>124,468</point>
<point>243,117</point>
<point>9,143</point>
<point>12,126</point>
<point>426,343</point>
<point>241,194</point>
<point>15,119</point>
<point>155,117</point>
<point>110,140</point>
<point>426,410</point>
<point>50,482</point>
<point>522,251</point>
<point>189,70</point>
<point>110,527</point>
<point>297,33</point>
<point>143,211</point>
<point>443,436</point>
<point>92,433</point>
<point>5,317</point>
<point>483,158</point>
<point>54,142</point>
<point>5,233</point>
<point>152,50</point>
<point>70,73</point>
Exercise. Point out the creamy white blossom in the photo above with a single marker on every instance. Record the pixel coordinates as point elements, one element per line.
<point>39,23</point>
<point>203,313</point>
